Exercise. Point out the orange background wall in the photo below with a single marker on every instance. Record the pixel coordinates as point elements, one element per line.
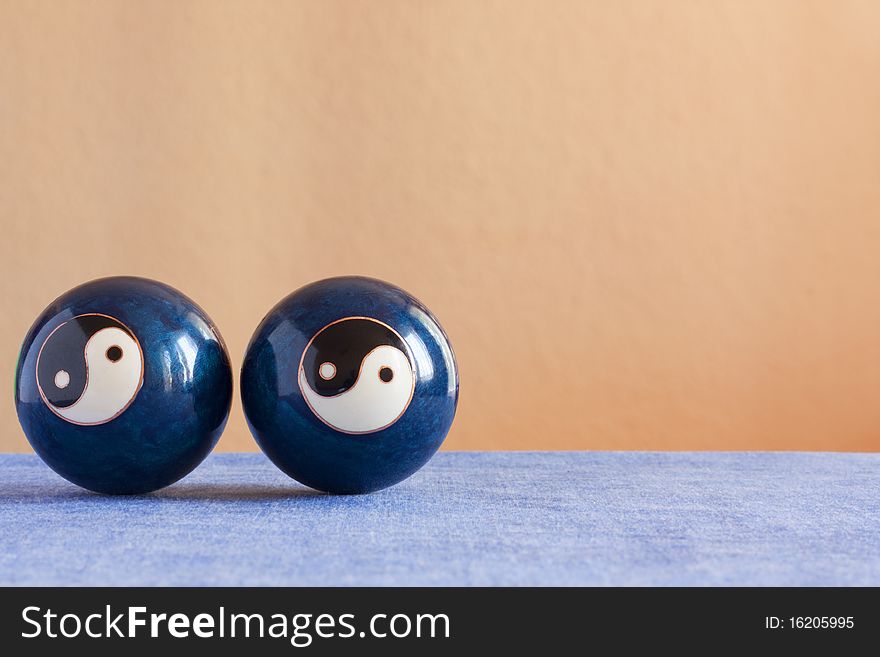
<point>644,224</point>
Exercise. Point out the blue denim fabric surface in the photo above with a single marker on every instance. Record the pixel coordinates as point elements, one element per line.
<point>539,518</point>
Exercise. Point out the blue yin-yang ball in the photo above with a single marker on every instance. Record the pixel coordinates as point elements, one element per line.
<point>123,385</point>
<point>349,385</point>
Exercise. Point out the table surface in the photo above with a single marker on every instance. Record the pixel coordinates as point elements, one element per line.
<point>467,518</point>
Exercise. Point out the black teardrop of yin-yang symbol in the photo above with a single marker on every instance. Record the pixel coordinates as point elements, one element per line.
<point>357,375</point>
<point>89,369</point>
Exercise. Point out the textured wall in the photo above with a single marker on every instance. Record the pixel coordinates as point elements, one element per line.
<point>649,225</point>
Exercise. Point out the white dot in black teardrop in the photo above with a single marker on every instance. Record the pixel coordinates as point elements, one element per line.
<point>62,379</point>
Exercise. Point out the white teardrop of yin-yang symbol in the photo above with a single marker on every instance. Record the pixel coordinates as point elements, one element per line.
<point>90,369</point>
<point>356,375</point>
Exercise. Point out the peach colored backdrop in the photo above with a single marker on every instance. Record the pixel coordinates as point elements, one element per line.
<point>644,224</point>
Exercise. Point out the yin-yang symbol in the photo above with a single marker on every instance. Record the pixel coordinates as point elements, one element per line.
<point>90,369</point>
<point>356,375</point>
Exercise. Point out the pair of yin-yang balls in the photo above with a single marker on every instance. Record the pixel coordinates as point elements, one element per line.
<point>124,385</point>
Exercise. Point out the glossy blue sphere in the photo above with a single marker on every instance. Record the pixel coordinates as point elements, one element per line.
<point>123,385</point>
<point>349,385</point>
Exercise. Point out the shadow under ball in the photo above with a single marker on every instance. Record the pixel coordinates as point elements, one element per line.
<point>123,385</point>
<point>349,385</point>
